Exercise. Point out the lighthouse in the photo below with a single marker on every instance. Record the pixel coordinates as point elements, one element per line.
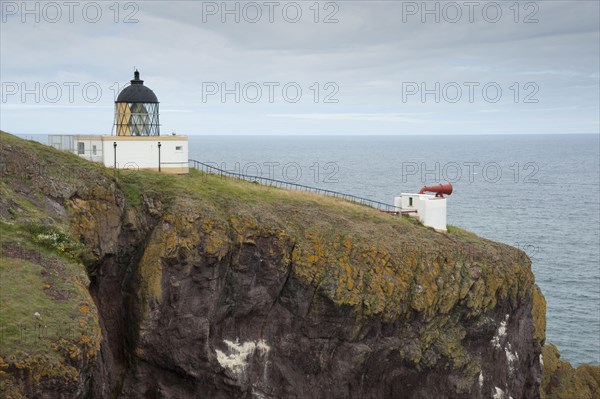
<point>135,141</point>
<point>136,110</point>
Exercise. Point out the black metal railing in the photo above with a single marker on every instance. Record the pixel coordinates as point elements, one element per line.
<point>292,186</point>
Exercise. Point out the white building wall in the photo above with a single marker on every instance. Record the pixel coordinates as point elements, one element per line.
<point>404,203</point>
<point>435,214</point>
<point>130,154</point>
<point>421,204</point>
<point>398,203</point>
<point>174,153</point>
<point>431,210</point>
<point>88,147</point>
<point>142,153</point>
<point>133,152</point>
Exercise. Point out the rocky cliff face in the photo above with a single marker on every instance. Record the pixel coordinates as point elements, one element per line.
<point>208,287</point>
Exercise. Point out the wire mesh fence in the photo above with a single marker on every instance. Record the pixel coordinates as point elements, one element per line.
<point>293,186</point>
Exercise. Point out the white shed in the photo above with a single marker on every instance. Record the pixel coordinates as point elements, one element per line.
<point>428,209</point>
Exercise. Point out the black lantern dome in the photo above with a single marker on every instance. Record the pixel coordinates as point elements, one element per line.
<point>136,110</point>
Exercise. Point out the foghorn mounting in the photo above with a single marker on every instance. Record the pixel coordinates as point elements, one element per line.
<point>439,189</point>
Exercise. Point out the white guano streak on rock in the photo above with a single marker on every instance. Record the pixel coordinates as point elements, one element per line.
<point>500,333</point>
<point>237,360</point>
<point>258,395</point>
<point>511,357</point>
<point>498,393</point>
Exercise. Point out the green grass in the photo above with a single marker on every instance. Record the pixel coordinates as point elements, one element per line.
<point>295,212</point>
<point>134,183</point>
<point>36,280</point>
<point>224,197</point>
<point>21,330</point>
<point>55,239</point>
<point>40,270</point>
<point>50,162</point>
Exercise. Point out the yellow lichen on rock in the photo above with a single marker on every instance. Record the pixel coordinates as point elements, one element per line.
<point>350,274</point>
<point>216,241</point>
<point>562,381</point>
<point>166,239</point>
<point>386,282</point>
<point>539,315</point>
<point>245,227</point>
<point>96,222</point>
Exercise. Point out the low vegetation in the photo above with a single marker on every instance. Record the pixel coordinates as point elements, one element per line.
<point>357,256</point>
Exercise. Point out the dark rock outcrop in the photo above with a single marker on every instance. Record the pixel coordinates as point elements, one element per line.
<point>212,288</point>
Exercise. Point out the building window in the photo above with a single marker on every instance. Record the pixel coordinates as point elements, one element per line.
<point>179,148</point>
<point>94,150</point>
<point>410,201</point>
<point>80,148</point>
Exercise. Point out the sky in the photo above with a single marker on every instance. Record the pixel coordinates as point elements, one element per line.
<point>304,67</point>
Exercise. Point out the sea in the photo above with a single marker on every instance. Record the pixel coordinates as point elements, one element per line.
<point>540,193</point>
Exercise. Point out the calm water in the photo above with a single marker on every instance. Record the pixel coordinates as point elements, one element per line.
<point>540,193</point>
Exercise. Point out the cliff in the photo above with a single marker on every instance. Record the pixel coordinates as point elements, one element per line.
<point>141,285</point>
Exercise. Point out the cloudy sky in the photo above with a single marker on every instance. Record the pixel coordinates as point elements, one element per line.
<point>340,67</point>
